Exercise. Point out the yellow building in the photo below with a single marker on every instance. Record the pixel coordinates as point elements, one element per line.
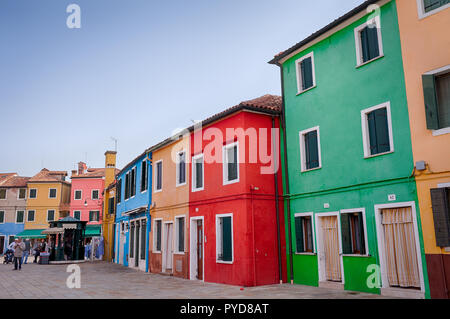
<point>109,205</point>
<point>169,246</point>
<point>48,199</point>
<point>424,26</point>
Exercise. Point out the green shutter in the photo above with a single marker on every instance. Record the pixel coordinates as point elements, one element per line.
<point>232,163</point>
<point>2,217</point>
<point>430,5</point>
<point>199,173</point>
<point>307,73</point>
<point>441,216</point>
<point>226,239</point>
<point>299,235</point>
<point>158,235</point>
<point>361,234</point>
<point>311,150</point>
<point>443,99</point>
<point>382,130</point>
<point>181,234</point>
<point>365,45</point>
<point>374,49</point>
<point>346,234</point>
<point>429,93</point>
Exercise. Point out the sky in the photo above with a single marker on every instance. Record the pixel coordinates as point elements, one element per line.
<point>136,71</point>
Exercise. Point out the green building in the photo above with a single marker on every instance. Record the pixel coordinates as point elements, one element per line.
<point>352,212</point>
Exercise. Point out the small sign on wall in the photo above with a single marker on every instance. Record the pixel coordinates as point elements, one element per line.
<point>392,197</point>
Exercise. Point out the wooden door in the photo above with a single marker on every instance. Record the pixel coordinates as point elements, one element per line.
<point>330,241</point>
<point>169,247</point>
<point>199,250</point>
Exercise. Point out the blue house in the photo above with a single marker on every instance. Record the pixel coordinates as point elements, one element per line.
<point>132,215</point>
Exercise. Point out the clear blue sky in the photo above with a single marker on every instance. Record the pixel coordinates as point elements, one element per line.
<point>136,70</point>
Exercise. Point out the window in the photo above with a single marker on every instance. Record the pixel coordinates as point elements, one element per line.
<point>310,149</point>
<point>95,194</point>
<point>22,193</point>
<point>158,176</point>
<point>50,215</point>
<point>133,182</point>
<point>119,190</point>
<point>181,168</point>
<point>143,238</point>
<point>230,164</point>
<point>77,214</point>
<point>303,233</point>
<point>436,91</point>
<point>306,78</point>
<point>127,186</point>
<point>33,193</point>
<point>111,206</point>
<point>30,217</point>
<point>2,217</point>
<point>94,216</point>
<point>224,238</point>
<point>180,222</point>
<point>144,177</point>
<point>197,173</point>
<point>20,217</point>
<point>3,193</point>
<point>157,236</point>
<point>52,193</point>
<point>353,234</point>
<point>429,7</point>
<point>77,195</point>
<point>377,130</point>
<point>368,41</point>
<point>440,199</point>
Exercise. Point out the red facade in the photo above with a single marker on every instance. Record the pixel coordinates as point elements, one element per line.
<point>251,201</point>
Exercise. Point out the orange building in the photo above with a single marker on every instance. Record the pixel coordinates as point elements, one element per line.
<point>424,26</point>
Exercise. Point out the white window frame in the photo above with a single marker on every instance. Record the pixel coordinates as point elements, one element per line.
<point>92,194</point>
<point>365,129</point>
<point>366,243</point>
<point>4,217</point>
<point>76,211</point>
<point>94,221</point>
<point>313,227</point>
<point>303,149</point>
<point>28,216</point>
<point>225,163</point>
<point>299,75</point>
<point>177,237</point>
<point>35,189</point>
<point>17,211</point>
<point>423,14</point>
<point>18,194</point>
<point>56,193</point>
<point>155,234</point>
<point>178,168</point>
<point>155,189</point>
<point>75,194</point>
<point>6,194</point>
<point>358,46</point>
<point>218,239</point>
<point>54,215</point>
<point>194,173</point>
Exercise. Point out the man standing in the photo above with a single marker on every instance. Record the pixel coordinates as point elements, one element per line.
<point>19,247</point>
<point>26,251</point>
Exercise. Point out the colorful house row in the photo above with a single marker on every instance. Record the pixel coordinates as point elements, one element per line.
<point>205,204</point>
<point>366,106</point>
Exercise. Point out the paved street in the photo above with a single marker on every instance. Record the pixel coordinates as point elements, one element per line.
<point>111,281</point>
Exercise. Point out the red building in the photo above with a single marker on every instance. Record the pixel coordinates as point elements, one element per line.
<point>236,228</point>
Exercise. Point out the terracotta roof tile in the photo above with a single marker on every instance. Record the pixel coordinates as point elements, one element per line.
<point>16,181</point>
<point>93,172</point>
<point>48,176</point>
<point>5,176</point>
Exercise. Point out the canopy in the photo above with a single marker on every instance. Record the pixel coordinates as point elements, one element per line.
<point>55,230</point>
<point>93,231</point>
<point>31,233</point>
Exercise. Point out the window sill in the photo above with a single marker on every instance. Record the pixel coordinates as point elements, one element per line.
<point>198,190</point>
<point>225,183</point>
<point>156,252</point>
<point>224,262</point>
<point>157,190</point>
<point>441,131</point>
<point>179,253</point>
<point>309,89</point>
<point>312,169</point>
<point>380,154</point>
<point>179,185</point>
<point>370,61</point>
<point>306,254</point>
<point>356,255</point>
<point>423,15</point>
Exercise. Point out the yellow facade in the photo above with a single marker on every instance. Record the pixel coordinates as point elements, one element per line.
<point>108,218</point>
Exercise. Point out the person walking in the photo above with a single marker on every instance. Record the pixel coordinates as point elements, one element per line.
<point>26,252</point>
<point>19,247</point>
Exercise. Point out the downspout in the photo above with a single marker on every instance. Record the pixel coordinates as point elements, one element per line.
<point>253,235</point>
<point>286,169</point>
<point>277,208</point>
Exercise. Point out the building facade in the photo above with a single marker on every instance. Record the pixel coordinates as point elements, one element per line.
<point>13,196</point>
<point>426,59</point>
<point>234,210</point>
<point>352,197</point>
<point>109,205</point>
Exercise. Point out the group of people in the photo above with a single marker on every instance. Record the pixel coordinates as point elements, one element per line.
<point>22,250</point>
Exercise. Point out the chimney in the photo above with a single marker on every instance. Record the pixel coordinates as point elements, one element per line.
<point>81,168</point>
<point>110,167</point>
<point>74,172</point>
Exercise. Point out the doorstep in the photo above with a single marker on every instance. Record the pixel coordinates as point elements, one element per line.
<point>166,273</point>
<point>402,293</point>
<point>331,285</point>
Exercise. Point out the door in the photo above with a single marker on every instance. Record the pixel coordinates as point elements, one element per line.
<point>199,250</point>
<point>400,248</point>
<point>2,244</point>
<point>168,247</point>
<point>120,257</point>
<point>136,251</point>
<point>330,246</point>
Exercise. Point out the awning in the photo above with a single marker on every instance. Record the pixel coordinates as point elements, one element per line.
<point>93,231</point>
<point>52,231</point>
<point>31,233</point>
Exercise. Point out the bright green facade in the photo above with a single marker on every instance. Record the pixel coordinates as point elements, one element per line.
<point>346,179</point>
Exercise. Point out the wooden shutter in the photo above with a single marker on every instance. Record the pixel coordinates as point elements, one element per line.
<point>374,49</point>
<point>311,150</point>
<point>226,239</point>
<point>378,131</point>
<point>181,234</point>
<point>307,75</point>
<point>430,5</point>
<point>364,45</point>
<point>429,93</point>
<point>299,235</point>
<point>361,234</point>
<point>159,176</point>
<point>158,235</point>
<point>346,234</point>
<point>182,169</point>
<point>441,216</point>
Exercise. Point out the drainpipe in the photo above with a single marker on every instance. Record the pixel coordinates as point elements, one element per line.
<point>252,188</point>
<point>286,169</point>
<point>277,208</point>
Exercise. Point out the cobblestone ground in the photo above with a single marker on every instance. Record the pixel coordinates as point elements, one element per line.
<point>112,281</point>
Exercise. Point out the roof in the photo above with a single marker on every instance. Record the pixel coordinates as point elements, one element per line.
<point>93,172</point>
<point>48,176</point>
<point>5,176</point>
<point>15,181</point>
<point>325,29</point>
